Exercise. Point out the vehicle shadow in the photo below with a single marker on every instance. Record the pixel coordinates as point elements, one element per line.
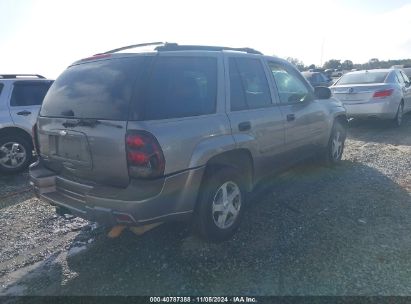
<point>14,189</point>
<point>381,131</point>
<point>311,231</point>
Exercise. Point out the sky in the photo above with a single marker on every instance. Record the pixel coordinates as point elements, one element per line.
<point>45,36</point>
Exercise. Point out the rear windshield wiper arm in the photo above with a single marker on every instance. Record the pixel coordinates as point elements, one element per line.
<point>88,122</point>
<point>81,122</point>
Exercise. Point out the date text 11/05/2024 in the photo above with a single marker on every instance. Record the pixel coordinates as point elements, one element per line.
<point>239,299</point>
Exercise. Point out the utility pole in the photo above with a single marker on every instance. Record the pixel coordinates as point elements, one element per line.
<point>322,52</point>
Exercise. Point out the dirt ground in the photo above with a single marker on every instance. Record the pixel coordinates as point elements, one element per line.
<point>314,230</point>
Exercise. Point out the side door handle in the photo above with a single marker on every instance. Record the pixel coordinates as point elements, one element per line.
<point>244,126</point>
<point>24,113</point>
<point>290,117</point>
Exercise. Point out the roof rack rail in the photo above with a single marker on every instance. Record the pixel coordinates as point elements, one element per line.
<point>167,46</point>
<point>176,47</point>
<point>132,47</point>
<point>13,76</point>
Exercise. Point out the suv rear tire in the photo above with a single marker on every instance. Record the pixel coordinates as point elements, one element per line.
<point>221,205</point>
<point>15,154</point>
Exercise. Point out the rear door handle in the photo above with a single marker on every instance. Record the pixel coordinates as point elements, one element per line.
<point>24,113</point>
<point>290,117</point>
<point>244,126</point>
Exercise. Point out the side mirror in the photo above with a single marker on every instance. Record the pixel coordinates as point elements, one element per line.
<point>322,92</point>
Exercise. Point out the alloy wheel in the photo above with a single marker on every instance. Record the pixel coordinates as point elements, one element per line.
<point>12,155</point>
<point>337,145</point>
<point>226,205</point>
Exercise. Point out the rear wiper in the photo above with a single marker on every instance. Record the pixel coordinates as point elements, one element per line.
<point>81,122</point>
<point>88,122</point>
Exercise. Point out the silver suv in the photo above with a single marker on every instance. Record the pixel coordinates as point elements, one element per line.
<point>181,132</point>
<point>21,96</point>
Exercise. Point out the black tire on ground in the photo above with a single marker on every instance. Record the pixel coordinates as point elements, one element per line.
<point>207,218</point>
<point>399,116</point>
<point>335,147</point>
<point>24,146</point>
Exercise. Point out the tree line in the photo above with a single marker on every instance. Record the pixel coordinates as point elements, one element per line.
<point>373,63</point>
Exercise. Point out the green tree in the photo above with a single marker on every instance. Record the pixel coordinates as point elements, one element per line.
<point>311,66</point>
<point>332,64</point>
<point>373,63</point>
<point>296,62</point>
<point>347,65</point>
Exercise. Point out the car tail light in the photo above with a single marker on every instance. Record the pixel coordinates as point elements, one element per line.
<point>383,93</point>
<point>35,139</point>
<point>144,155</point>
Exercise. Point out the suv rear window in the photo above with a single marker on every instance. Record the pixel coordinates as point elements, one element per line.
<point>178,87</point>
<point>98,89</point>
<point>363,78</point>
<point>28,93</point>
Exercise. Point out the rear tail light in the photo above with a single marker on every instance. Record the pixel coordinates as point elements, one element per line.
<point>383,93</point>
<point>35,139</point>
<point>144,155</point>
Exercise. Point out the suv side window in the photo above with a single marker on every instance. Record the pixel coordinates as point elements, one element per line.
<point>1,88</point>
<point>290,87</point>
<point>248,84</point>
<point>181,87</point>
<point>28,93</point>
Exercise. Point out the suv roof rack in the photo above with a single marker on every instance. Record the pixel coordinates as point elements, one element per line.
<point>132,47</point>
<point>14,76</point>
<point>166,46</point>
<point>176,47</point>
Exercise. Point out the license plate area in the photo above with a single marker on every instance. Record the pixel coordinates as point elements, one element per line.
<point>71,146</point>
<point>351,98</point>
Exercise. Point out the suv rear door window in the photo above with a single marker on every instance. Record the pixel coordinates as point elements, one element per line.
<point>179,87</point>
<point>248,84</point>
<point>28,93</point>
<point>98,90</point>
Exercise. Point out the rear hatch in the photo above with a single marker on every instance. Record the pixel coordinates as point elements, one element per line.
<point>359,93</point>
<point>83,121</point>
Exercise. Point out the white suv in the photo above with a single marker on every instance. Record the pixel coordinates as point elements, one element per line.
<point>21,96</point>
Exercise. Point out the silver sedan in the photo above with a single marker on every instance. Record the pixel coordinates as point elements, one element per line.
<point>381,93</point>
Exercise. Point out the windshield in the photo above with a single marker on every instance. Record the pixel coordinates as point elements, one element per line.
<point>363,78</point>
<point>99,89</point>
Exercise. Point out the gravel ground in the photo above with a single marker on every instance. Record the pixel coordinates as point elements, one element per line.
<point>311,231</point>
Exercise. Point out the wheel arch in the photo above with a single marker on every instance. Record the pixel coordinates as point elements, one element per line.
<point>240,159</point>
<point>342,118</point>
<point>15,131</point>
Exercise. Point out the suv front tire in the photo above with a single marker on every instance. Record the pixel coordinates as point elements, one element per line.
<point>336,143</point>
